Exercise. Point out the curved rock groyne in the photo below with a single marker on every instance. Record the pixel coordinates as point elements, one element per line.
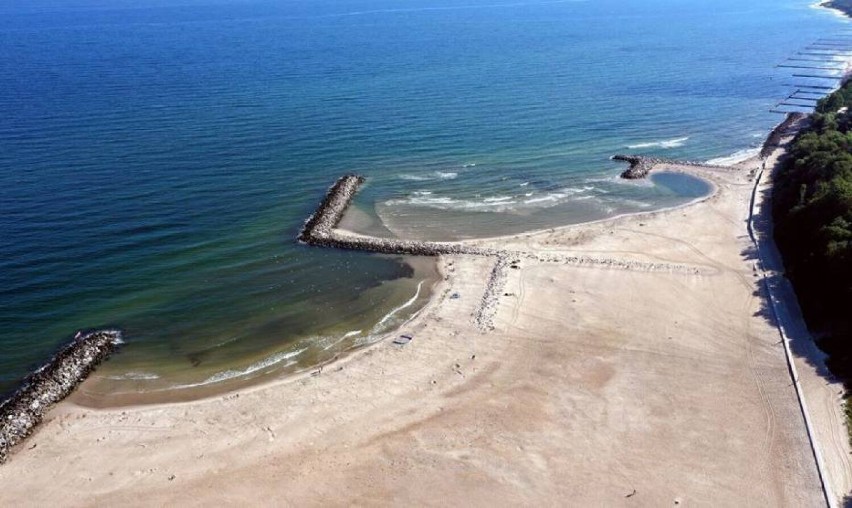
<point>394,246</point>
<point>51,383</point>
<point>323,221</point>
<point>319,229</point>
<point>641,165</point>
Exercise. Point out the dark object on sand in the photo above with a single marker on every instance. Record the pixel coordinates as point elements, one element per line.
<point>402,340</point>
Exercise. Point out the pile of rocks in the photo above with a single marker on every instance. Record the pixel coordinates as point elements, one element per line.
<point>641,165</point>
<point>323,221</point>
<point>319,229</point>
<point>484,317</point>
<point>50,384</point>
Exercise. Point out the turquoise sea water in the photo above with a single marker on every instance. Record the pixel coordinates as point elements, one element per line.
<point>157,158</point>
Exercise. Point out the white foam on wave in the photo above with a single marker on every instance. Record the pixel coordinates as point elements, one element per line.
<point>666,143</point>
<point>435,175</point>
<point>135,376</point>
<point>338,340</point>
<point>387,317</point>
<point>265,363</point>
<point>736,157</point>
<point>616,179</point>
<point>560,195</point>
<point>631,202</point>
<point>495,203</point>
<point>545,199</point>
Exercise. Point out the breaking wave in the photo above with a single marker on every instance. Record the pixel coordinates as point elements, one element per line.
<point>435,175</point>
<point>393,312</point>
<point>496,203</point>
<point>736,157</point>
<point>667,143</point>
<point>266,362</point>
<point>135,376</point>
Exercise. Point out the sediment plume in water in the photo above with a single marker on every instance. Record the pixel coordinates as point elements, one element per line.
<point>25,409</point>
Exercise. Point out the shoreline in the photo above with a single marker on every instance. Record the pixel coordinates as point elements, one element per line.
<point>106,398</point>
<point>179,394</point>
<point>205,391</point>
<point>642,333</point>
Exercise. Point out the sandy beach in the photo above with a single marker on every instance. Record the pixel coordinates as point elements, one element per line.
<point>632,361</point>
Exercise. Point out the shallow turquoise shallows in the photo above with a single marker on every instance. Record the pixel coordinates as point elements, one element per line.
<point>157,160</point>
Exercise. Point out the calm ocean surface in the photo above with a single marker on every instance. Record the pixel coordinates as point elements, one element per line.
<point>158,157</point>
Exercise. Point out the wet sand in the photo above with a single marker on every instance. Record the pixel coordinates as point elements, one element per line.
<point>628,361</point>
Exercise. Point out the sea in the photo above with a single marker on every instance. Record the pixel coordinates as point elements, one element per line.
<point>158,157</point>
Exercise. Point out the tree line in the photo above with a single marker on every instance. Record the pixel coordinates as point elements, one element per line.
<point>841,5</point>
<point>812,210</point>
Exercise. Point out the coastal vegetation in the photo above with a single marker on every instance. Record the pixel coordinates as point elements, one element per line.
<point>844,6</point>
<point>812,208</point>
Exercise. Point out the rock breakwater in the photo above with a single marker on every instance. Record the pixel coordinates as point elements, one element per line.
<point>322,222</point>
<point>319,229</point>
<point>641,165</point>
<point>51,383</point>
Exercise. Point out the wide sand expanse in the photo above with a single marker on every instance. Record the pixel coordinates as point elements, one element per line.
<point>627,362</point>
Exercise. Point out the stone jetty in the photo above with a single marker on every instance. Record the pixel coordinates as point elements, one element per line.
<point>641,165</point>
<point>319,230</point>
<point>321,223</point>
<point>51,383</point>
